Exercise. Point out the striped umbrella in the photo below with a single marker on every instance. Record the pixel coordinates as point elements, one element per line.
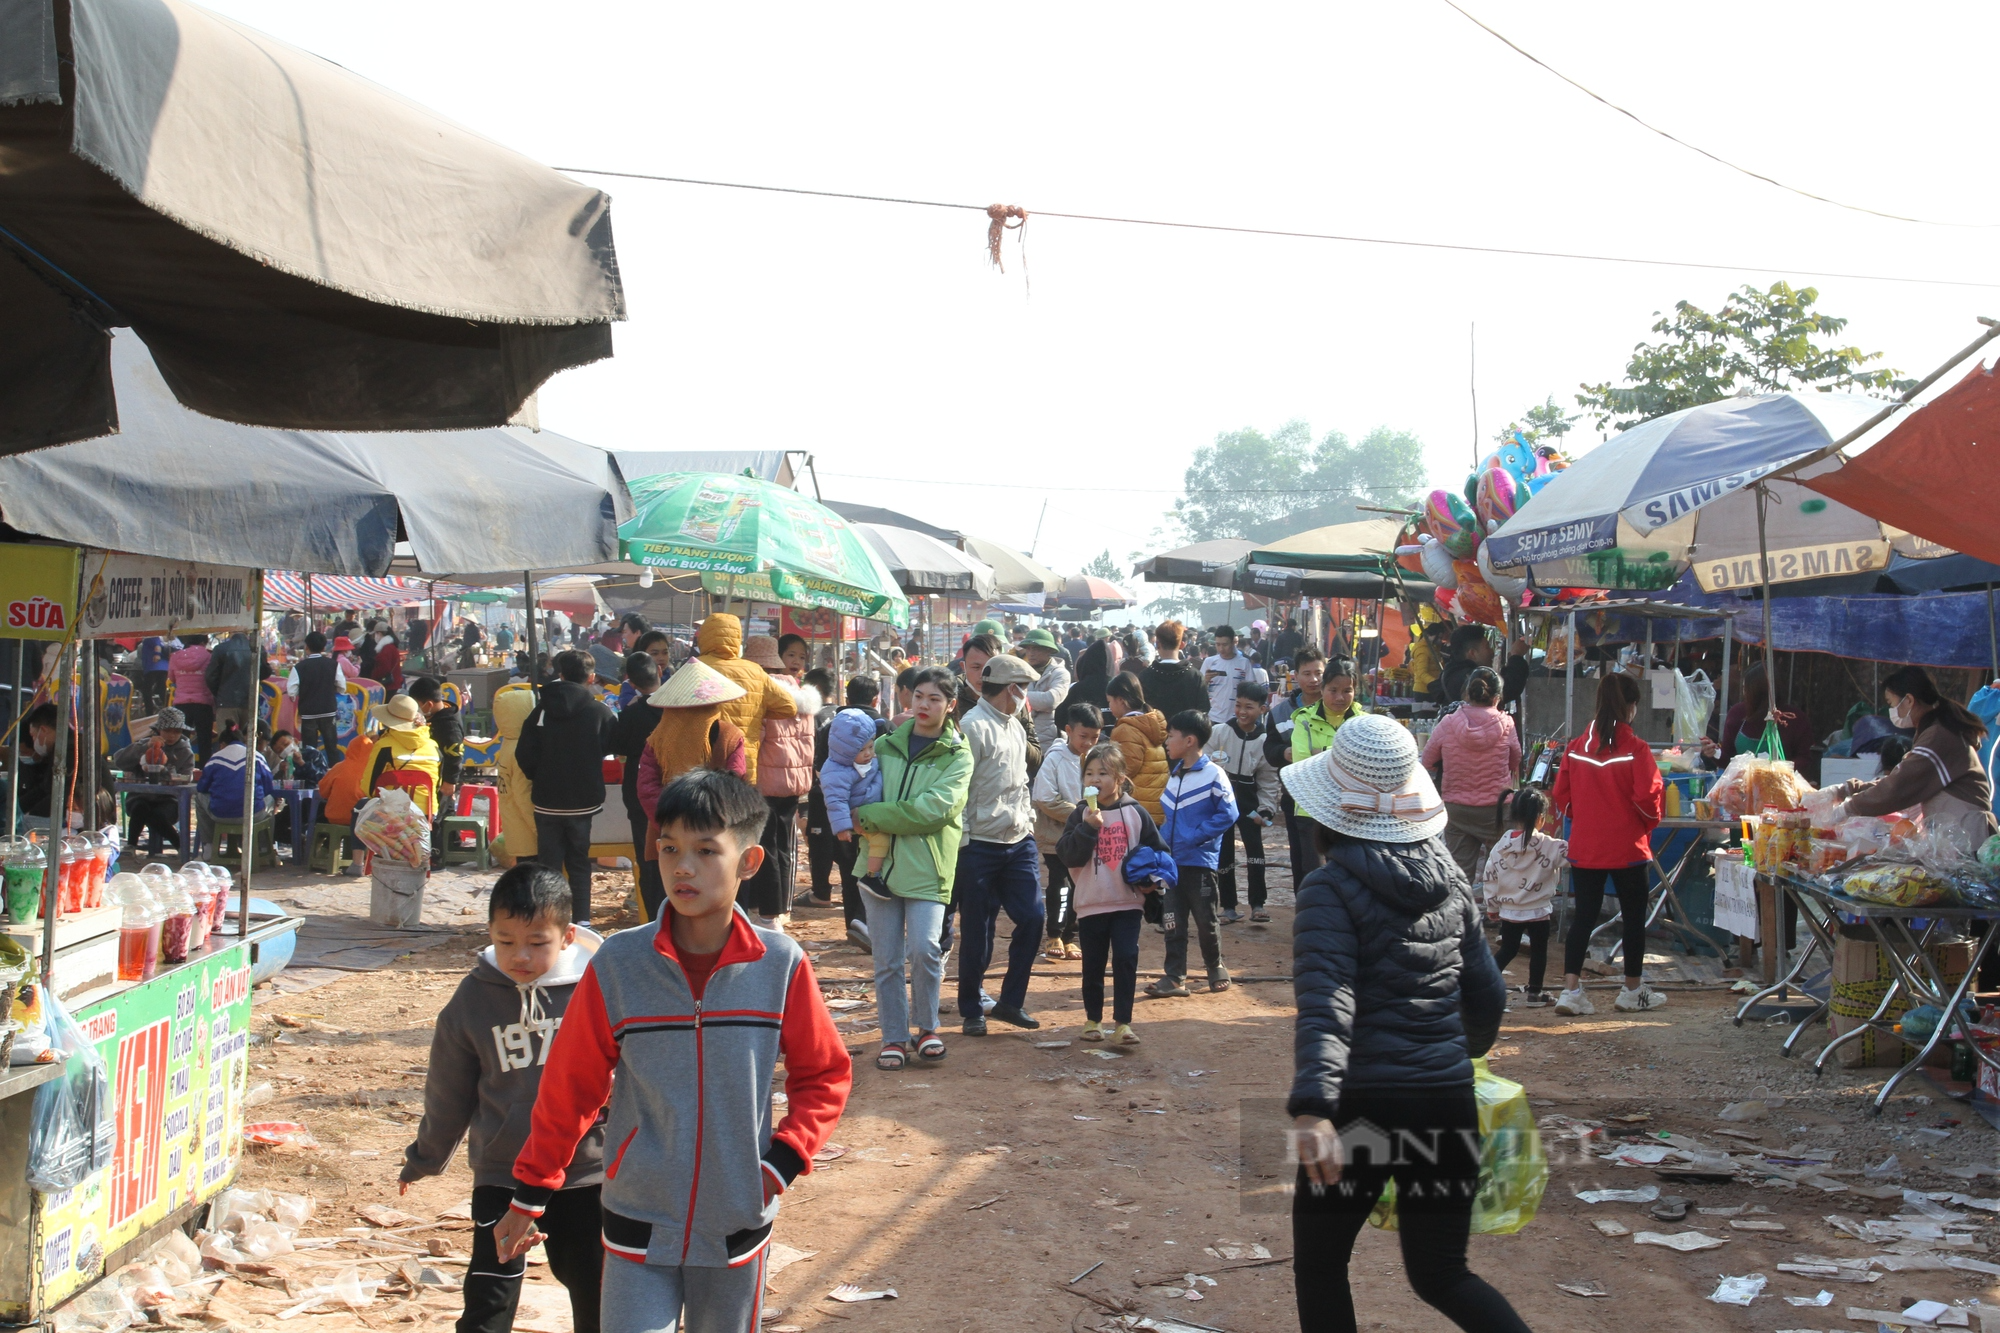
<point>1090,593</point>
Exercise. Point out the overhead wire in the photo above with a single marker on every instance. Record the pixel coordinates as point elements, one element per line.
<point>1282,233</point>
<point>1675,139</point>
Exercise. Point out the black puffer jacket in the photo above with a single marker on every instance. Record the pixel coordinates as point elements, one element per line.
<point>1395,985</point>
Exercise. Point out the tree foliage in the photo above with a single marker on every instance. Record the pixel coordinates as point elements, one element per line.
<point>1759,342</point>
<point>1258,486</point>
<point>1546,423</point>
<point>1104,567</point>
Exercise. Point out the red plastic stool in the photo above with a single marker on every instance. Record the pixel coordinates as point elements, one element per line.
<point>468,790</point>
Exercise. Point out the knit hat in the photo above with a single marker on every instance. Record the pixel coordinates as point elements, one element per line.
<point>695,684</point>
<point>763,650</point>
<point>399,714</point>
<point>1368,784</point>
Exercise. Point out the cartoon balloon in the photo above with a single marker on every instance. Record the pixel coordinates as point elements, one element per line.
<point>1507,585</point>
<point>1446,600</point>
<point>1437,564</point>
<point>1519,457</point>
<point>1409,549</point>
<point>1448,518</point>
<point>1499,495</point>
<point>1477,601</point>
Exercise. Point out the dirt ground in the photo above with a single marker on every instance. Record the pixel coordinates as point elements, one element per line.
<point>1032,1164</point>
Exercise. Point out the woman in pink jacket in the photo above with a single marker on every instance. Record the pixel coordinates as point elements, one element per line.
<point>784,776</point>
<point>1480,755</point>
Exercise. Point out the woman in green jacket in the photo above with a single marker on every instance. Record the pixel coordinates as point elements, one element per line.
<point>1314,725</point>
<point>926,773</point>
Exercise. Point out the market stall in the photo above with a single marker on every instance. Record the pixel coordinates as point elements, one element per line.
<point>154,972</point>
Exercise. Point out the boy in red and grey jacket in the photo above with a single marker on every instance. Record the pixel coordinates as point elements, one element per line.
<point>692,1018</point>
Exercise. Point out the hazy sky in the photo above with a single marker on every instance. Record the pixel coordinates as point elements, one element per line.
<point>879,338</point>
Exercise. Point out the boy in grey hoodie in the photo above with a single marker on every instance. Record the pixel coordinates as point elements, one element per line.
<point>487,1053</point>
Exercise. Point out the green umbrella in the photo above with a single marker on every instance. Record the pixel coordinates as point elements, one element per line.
<point>751,538</point>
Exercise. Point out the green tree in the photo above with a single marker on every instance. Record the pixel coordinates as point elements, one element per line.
<point>1104,567</point>
<point>1546,422</point>
<point>1249,484</point>
<point>1759,342</point>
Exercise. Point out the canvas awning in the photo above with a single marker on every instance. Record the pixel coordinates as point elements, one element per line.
<point>298,246</point>
<point>1209,564</point>
<point>1368,545</point>
<point>188,487</point>
<point>1928,476</point>
<point>1017,578</point>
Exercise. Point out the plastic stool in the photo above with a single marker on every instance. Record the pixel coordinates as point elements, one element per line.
<point>491,795</point>
<point>221,832</point>
<point>450,827</point>
<point>331,844</point>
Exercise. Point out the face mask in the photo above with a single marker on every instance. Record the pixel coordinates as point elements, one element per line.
<point>42,747</point>
<point>1901,715</point>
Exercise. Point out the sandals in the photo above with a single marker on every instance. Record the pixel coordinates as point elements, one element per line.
<point>1071,951</point>
<point>891,1057</point>
<point>1093,1031</point>
<point>931,1046</point>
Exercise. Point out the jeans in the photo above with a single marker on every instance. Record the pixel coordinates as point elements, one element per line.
<point>900,928</point>
<point>652,890</point>
<point>1630,884</point>
<point>994,877</point>
<point>1193,897</point>
<point>562,842</point>
<point>323,732</point>
<point>1113,936</point>
<point>1538,948</point>
<point>1253,857</point>
<point>822,848</point>
<point>657,1298</point>
<point>1433,1156</point>
<point>769,892</point>
<point>1058,920</point>
<point>575,1247</point>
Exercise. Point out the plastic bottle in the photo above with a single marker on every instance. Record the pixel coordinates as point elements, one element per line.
<point>138,928</point>
<point>73,869</point>
<point>23,865</point>
<point>104,852</point>
<point>177,921</point>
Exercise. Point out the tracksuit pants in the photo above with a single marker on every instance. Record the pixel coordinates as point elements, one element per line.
<point>1252,834</point>
<point>575,1245</point>
<point>658,1298</point>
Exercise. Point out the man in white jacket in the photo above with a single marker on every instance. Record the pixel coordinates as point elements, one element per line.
<point>997,863</point>
<point>1051,687</point>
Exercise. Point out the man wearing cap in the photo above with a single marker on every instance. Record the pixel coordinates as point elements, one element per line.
<point>997,865</point>
<point>1046,695</point>
<point>315,685</point>
<point>162,752</point>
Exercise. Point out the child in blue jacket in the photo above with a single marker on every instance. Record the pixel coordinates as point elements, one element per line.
<point>1196,810</point>
<point>850,779</point>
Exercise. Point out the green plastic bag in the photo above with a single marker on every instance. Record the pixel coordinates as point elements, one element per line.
<point>1513,1169</point>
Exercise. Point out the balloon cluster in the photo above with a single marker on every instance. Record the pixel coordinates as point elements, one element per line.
<point>1446,543</point>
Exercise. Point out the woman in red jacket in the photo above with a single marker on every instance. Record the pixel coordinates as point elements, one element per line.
<point>1609,786</point>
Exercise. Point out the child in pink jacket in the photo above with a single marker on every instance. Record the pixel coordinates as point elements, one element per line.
<point>1480,755</point>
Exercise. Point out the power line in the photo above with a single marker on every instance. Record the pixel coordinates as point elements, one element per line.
<point>1309,235</point>
<point>1716,158</point>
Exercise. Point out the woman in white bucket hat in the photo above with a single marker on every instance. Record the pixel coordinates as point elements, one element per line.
<point>1396,992</point>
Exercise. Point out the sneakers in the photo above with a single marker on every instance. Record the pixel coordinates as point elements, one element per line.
<point>1574,1002</point>
<point>1168,987</point>
<point>1536,999</point>
<point>1019,1018</point>
<point>1640,1000</point>
<point>874,885</point>
<point>1093,1030</point>
<point>1230,916</point>
<point>1218,981</point>
<point>1126,1036</point>
<point>986,1002</point>
<point>857,935</point>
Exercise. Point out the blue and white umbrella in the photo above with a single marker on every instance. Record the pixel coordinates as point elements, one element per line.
<point>1679,492</point>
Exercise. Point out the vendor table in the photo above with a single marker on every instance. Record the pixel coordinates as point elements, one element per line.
<point>176,1047</point>
<point>1905,934</point>
<point>1823,925</point>
<point>182,792</point>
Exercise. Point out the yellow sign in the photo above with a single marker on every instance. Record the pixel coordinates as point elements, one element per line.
<point>37,591</point>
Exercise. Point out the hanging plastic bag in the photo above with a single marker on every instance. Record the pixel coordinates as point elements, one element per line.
<point>71,1129</point>
<point>391,826</point>
<point>1694,700</point>
<point>1513,1168</point>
